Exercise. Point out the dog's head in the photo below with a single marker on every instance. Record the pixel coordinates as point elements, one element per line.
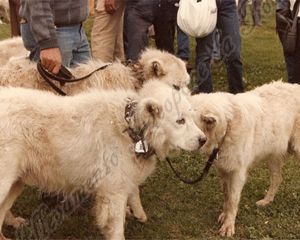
<point>168,116</point>
<point>164,67</point>
<point>213,114</point>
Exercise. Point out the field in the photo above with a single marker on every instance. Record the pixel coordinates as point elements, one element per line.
<point>178,211</point>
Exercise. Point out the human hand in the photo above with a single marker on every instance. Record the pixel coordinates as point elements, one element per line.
<point>109,6</point>
<point>51,59</point>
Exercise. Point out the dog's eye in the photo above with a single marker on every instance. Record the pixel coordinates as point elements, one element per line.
<point>180,121</point>
<point>176,87</point>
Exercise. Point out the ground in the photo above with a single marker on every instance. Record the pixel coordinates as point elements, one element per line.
<point>178,211</point>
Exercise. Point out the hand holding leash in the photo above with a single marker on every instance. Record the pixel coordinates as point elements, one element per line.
<point>51,59</point>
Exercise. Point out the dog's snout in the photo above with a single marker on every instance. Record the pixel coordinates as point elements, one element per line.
<point>202,141</point>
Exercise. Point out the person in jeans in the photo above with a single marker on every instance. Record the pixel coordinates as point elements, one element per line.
<point>183,45</point>
<point>292,60</point>
<point>107,32</point>
<point>228,27</point>
<point>139,16</point>
<point>52,31</point>
<point>256,11</point>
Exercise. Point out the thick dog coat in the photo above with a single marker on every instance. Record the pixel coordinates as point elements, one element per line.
<point>84,143</point>
<point>152,64</point>
<point>249,127</point>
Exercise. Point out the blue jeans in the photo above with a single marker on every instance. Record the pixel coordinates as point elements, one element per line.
<point>72,41</point>
<point>228,26</point>
<point>216,45</point>
<point>183,45</point>
<point>139,16</point>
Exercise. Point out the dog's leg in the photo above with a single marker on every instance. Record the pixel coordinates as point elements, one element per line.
<point>135,204</point>
<point>225,185</point>
<point>13,221</point>
<point>275,169</point>
<point>13,191</point>
<point>110,215</point>
<point>236,183</point>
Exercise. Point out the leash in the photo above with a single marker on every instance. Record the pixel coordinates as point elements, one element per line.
<point>64,76</point>
<point>204,173</point>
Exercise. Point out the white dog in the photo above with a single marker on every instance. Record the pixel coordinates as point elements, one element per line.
<point>12,48</point>
<point>152,64</point>
<point>86,142</point>
<point>249,127</point>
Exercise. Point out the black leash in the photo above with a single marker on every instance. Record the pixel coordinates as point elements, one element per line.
<point>204,173</point>
<point>64,76</point>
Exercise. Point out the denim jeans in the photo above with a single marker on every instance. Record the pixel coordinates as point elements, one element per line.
<point>72,41</point>
<point>216,45</point>
<point>183,45</point>
<point>228,26</point>
<point>139,16</point>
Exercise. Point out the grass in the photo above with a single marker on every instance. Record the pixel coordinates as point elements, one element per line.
<point>178,211</point>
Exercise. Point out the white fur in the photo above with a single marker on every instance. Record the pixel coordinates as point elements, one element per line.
<point>78,143</point>
<point>152,64</point>
<point>249,127</point>
<point>12,48</point>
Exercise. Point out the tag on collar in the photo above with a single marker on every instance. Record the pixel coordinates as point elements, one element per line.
<point>141,147</point>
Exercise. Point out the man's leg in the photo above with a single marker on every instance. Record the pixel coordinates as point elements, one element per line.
<point>82,51</point>
<point>296,77</point>
<point>164,26</point>
<point>138,18</point>
<point>256,12</point>
<point>119,45</point>
<point>183,45</point>
<point>228,25</point>
<point>242,11</point>
<point>204,49</point>
<point>73,45</point>
<point>106,32</point>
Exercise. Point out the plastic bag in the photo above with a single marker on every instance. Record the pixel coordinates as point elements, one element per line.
<point>197,18</point>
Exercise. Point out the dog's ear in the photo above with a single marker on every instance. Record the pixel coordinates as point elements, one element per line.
<point>209,120</point>
<point>157,68</point>
<point>150,110</point>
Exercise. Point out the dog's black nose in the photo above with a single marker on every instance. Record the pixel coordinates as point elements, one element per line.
<point>202,141</point>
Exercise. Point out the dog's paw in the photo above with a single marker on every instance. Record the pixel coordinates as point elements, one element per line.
<point>18,222</point>
<point>227,229</point>
<point>141,217</point>
<point>263,202</point>
<point>221,218</point>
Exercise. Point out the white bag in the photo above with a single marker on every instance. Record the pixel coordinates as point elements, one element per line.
<point>197,19</point>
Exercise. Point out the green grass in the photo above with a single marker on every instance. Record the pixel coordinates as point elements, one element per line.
<point>178,211</point>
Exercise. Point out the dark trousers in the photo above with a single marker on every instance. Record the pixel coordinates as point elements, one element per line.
<point>228,26</point>
<point>292,61</point>
<point>139,16</point>
<point>14,6</point>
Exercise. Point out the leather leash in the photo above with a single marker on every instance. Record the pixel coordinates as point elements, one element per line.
<point>204,173</point>
<point>64,76</point>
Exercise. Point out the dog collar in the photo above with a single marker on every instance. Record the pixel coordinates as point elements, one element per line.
<point>141,146</point>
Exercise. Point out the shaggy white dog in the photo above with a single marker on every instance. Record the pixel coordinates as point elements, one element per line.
<point>152,64</point>
<point>12,48</point>
<point>86,143</point>
<point>249,127</point>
